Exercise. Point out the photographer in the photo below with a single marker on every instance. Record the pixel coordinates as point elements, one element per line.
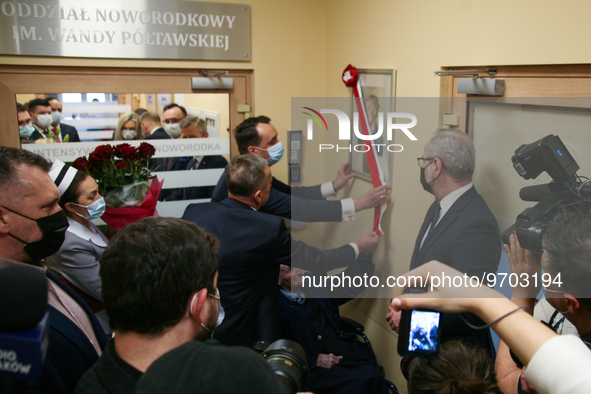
<point>534,344</point>
<point>566,258</point>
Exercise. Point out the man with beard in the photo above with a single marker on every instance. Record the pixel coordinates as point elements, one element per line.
<point>160,291</point>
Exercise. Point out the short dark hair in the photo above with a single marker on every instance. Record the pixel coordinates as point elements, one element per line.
<point>31,105</point>
<point>567,241</point>
<point>53,99</point>
<point>72,193</point>
<point>172,105</point>
<point>151,268</point>
<point>20,108</point>
<point>460,369</point>
<point>9,158</point>
<point>246,174</point>
<point>246,133</point>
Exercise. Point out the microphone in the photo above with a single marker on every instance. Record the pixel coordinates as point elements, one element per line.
<point>535,193</point>
<point>23,325</point>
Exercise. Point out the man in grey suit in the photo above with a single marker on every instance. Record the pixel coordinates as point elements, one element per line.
<point>459,229</point>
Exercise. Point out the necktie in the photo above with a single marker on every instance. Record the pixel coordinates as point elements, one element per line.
<point>435,217</point>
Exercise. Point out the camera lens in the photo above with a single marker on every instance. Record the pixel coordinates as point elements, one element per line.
<point>530,234</point>
<point>288,361</point>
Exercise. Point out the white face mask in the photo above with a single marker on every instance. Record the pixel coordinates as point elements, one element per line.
<point>44,120</point>
<point>128,134</point>
<point>173,129</point>
<point>56,117</point>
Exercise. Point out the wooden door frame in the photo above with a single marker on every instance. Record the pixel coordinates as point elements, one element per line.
<point>528,82</point>
<point>49,79</point>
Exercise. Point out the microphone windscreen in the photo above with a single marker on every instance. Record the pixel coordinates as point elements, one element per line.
<point>23,298</point>
<point>535,193</point>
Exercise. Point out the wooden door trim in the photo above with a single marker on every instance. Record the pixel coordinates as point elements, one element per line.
<point>57,79</point>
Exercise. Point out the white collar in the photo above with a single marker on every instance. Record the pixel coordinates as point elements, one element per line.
<point>154,129</point>
<point>449,200</point>
<point>81,231</point>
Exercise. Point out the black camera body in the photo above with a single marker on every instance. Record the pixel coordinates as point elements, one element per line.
<point>546,155</point>
<point>288,361</point>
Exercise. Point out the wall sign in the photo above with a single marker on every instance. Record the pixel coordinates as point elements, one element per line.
<point>136,29</point>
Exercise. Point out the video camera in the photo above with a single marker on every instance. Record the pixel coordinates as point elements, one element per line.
<point>566,189</point>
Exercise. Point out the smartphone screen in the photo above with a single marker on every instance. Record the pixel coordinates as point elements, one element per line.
<point>419,332</point>
<point>424,331</point>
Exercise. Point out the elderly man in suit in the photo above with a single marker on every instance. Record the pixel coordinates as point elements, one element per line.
<point>459,229</point>
<point>32,227</point>
<point>193,127</point>
<point>253,246</point>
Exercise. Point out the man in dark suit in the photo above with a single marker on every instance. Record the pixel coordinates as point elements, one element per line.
<point>258,136</point>
<point>459,229</point>
<point>65,132</point>
<point>152,128</point>
<point>32,227</point>
<point>253,246</point>
<point>193,127</point>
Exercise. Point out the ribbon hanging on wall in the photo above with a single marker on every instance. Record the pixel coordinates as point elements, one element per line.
<point>351,79</point>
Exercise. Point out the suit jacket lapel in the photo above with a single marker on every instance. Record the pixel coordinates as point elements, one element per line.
<point>96,325</point>
<point>414,262</point>
<point>450,216</point>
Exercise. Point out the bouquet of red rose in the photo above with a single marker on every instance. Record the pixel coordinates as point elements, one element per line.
<point>124,181</point>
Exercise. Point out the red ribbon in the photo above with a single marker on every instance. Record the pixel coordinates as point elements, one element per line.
<point>350,79</point>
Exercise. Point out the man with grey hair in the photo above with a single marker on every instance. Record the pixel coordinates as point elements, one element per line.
<point>194,127</point>
<point>459,229</point>
<point>254,245</point>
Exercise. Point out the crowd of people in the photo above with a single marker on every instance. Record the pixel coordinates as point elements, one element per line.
<point>137,313</point>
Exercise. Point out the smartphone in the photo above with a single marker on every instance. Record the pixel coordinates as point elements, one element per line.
<point>419,333</point>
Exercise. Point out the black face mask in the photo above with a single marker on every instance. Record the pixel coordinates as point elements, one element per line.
<point>426,185</point>
<point>53,228</point>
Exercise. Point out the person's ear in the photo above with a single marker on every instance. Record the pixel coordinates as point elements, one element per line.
<point>196,304</point>
<point>258,197</point>
<point>251,149</point>
<point>205,135</point>
<point>71,208</point>
<point>4,222</point>
<point>572,303</point>
<point>437,167</point>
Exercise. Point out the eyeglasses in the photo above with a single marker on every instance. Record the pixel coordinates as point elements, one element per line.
<point>422,160</point>
<point>171,120</point>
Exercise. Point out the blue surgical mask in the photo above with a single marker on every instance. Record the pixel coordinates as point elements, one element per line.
<point>56,117</point>
<point>26,131</point>
<point>95,210</point>
<point>275,153</point>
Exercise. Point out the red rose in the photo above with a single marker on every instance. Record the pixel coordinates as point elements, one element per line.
<point>146,150</point>
<point>125,151</point>
<point>80,163</point>
<point>103,153</point>
<point>122,166</point>
<point>350,76</point>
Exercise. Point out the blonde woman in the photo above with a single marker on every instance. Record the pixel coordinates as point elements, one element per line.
<point>128,128</point>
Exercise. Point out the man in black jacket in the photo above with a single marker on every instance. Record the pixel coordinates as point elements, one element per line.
<point>254,245</point>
